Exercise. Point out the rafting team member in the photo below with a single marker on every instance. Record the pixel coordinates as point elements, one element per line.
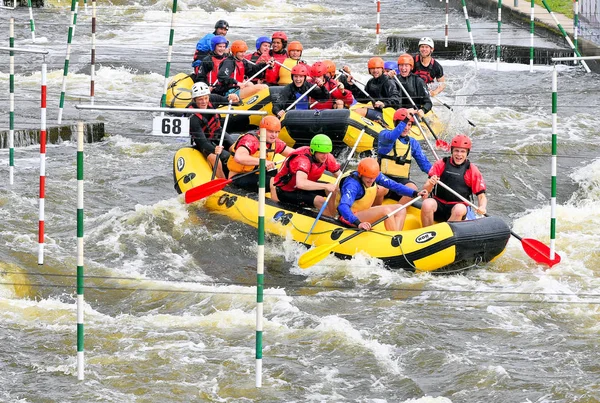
<point>294,50</point>
<point>414,85</point>
<point>459,174</point>
<point>263,45</point>
<point>278,53</point>
<point>203,47</point>
<point>390,69</point>
<point>383,92</point>
<point>299,88</point>
<point>205,130</point>
<point>297,180</point>
<point>395,152</point>
<point>234,69</point>
<point>340,98</point>
<point>208,71</point>
<point>247,152</point>
<point>358,192</point>
<point>428,68</point>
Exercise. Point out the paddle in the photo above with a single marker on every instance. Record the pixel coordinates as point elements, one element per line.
<point>255,75</point>
<point>319,253</point>
<point>343,169</point>
<point>449,107</point>
<point>216,165</point>
<point>300,98</point>
<point>208,188</point>
<point>441,144</point>
<point>362,89</point>
<point>534,248</point>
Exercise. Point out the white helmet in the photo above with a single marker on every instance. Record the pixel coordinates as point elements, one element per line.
<point>426,41</point>
<point>200,89</point>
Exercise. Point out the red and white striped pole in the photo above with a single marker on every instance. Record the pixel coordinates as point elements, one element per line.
<point>42,164</point>
<point>378,22</point>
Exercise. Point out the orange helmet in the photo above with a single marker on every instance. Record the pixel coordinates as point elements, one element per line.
<point>238,46</point>
<point>295,45</point>
<point>300,70</point>
<point>406,59</point>
<point>330,66</point>
<point>375,62</point>
<point>368,167</point>
<point>318,69</point>
<point>402,114</point>
<point>270,123</point>
<point>461,141</point>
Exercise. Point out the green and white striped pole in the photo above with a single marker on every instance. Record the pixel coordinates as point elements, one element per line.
<point>464,5</point>
<point>531,31</point>
<point>163,99</point>
<point>260,258</point>
<point>74,6</point>
<point>80,278</point>
<point>554,165</point>
<point>498,46</point>
<point>575,25</point>
<point>567,38</point>
<point>31,22</point>
<point>11,103</point>
<point>93,61</point>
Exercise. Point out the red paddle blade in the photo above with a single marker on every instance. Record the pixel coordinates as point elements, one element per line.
<point>205,190</point>
<point>442,145</point>
<point>539,252</point>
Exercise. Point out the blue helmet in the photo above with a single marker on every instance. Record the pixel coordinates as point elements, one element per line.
<point>217,39</point>
<point>261,40</point>
<point>390,66</point>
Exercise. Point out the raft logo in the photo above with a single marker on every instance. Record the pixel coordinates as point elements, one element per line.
<point>180,164</point>
<point>252,100</point>
<point>428,236</point>
<point>367,121</point>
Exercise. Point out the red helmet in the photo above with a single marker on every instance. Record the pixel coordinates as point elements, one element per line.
<point>330,66</point>
<point>402,114</point>
<point>375,62</point>
<point>318,69</point>
<point>270,123</point>
<point>461,141</point>
<point>368,167</point>
<point>238,46</point>
<point>279,35</point>
<point>300,70</point>
<point>295,45</point>
<point>406,59</point>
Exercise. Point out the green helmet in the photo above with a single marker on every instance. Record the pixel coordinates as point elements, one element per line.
<point>321,144</point>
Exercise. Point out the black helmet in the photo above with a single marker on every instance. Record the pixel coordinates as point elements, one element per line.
<point>222,24</point>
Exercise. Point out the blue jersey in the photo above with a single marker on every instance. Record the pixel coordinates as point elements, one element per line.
<point>386,141</point>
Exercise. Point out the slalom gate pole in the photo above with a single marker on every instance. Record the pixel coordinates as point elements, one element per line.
<point>163,98</point>
<point>446,28</point>
<point>260,255</point>
<point>74,6</point>
<point>31,22</point>
<point>575,25</point>
<point>93,55</point>
<point>377,26</point>
<point>567,38</point>
<point>80,277</point>
<point>11,103</point>
<point>498,46</point>
<point>42,164</point>
<point>464,5</point>
<point>531,31</point>
<point>553,164</point>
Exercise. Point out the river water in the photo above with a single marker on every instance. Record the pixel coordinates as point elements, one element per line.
<point>170,303</point>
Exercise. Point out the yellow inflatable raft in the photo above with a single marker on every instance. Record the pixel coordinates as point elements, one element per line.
<point>441,248</point>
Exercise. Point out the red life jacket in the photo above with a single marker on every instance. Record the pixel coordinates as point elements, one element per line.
<point>212,76</point>
<point>286,179</point>
<point>272,75</point>
<point>424,74</point>
<point>210,125</point>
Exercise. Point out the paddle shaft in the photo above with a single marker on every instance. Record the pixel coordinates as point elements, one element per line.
<point>452,109</point>
<point>330,91</point>
<point>360,88</point>
<point>415,106</point>
<point>300,97</point>
<point>255,75</point>
<point>216,165</point>
<point>337,181</point>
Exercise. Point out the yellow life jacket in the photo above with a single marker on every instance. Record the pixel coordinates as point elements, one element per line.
<point>396,163</point>
<point>285,75</point>
<point>364,202</point>
<point>237,168</point>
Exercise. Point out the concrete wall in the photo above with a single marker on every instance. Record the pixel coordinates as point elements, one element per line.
<point>92,132</point>
<point>589,20</point>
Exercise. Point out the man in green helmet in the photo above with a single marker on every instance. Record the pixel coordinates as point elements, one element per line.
<point>298,180</point>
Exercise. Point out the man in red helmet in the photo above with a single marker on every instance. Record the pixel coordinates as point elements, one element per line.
<point>246,155</point>
<point>459,174</point>
<point>429,69</point>
<point>340,97</point>
<point>299,90</point>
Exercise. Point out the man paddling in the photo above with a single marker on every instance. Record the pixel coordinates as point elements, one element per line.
<point>414,85</point>
<point>459,174</point>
